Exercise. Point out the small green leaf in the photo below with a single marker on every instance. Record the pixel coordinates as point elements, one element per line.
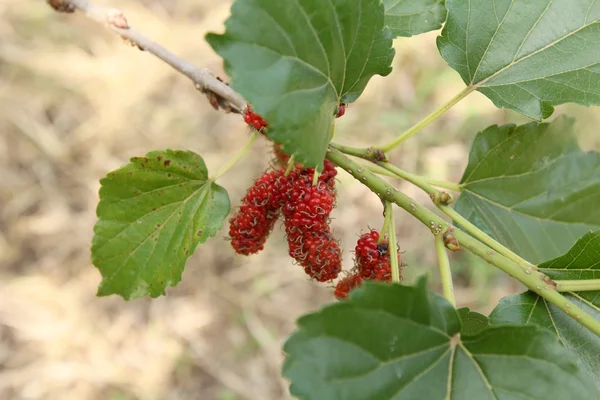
<point>152,215</point>
<point>399,342</point>
<point>295,61</point>
<point>411,17</point>
<point>532,188</point>
<point>580,263</point>
<point>526,55</point>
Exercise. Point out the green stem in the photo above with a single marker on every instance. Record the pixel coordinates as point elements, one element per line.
<point>456,187</point>
<point>533,279</point>
<point>240,154</point>
<point>445,272</point>
<point>586,285</point>
<point>415,180</point>
<point>379,170</point>
<point>428,119</point>
<point>392,242</point>
<point>484,237</point>
<point>352,151</point>
<point>456,217</point>
<point>290,166</point>
<point>376,169</point>
<point>386,224</point>
<point>316,175</point>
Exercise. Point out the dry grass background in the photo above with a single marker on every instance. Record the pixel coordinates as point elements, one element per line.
<point>76,103</point>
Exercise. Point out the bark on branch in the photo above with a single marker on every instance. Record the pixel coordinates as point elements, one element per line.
<point>219,93</point>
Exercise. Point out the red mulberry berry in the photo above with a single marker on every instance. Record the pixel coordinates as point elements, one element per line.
<point>253,223</point>
<point>367,254</point>
<point>253,119</point>
<point>250,228</point>
<point>317,252</point>
<point>306,211</point>
<point>324,258</point>
<point>372,258</point>
<point>327,175</point>
<point>346,285</point>
<point>308,207</point>
<point>270,190</point>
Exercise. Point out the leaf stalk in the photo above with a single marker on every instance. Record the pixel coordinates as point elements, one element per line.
<point>240,154</point>
<point>428,119</point>
<point>585,285</point>
<point>484,237</point>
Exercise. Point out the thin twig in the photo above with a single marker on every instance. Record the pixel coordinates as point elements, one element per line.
<point>219,93</point>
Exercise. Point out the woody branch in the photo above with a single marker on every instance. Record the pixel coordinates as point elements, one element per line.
<point>218,92</point>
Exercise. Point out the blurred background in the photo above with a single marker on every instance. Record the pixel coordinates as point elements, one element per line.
<point>75,103</point>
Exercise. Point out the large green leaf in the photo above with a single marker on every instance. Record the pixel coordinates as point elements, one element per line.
<point>526,55</point>
<point>152,214</point>
<point>532,188</point>
<point>582,262</point>
<point>399,342</point>
<point>296,60</point>
<point>411,17</point>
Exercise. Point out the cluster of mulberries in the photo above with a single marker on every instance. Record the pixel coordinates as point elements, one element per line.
<point>305,208</point>
<point>305,203</point>
<point>372,262</point>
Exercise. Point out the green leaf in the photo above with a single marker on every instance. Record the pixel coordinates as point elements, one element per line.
<point>532,188</point>
<point>411,17</point>
<point>581,262</point>
<point>472,322</point>
<point>526,55</point>
<point>295,61</point>
<point>152,215</point>
<point>399,342</point>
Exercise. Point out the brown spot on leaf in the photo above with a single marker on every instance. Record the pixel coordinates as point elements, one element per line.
<point>166,163</point>
<point>199,233</point>
<point>159,158</point>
